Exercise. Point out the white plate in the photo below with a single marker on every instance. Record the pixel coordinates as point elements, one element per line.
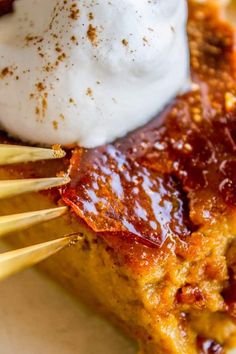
<point>37,316</point>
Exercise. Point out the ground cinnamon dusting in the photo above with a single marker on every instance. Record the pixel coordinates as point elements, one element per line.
<point>74,12</point>
<point>125,42</point>
<point>92,34</point>
<point>6,72</point>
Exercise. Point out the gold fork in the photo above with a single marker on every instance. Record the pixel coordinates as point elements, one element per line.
<point>14,261</point>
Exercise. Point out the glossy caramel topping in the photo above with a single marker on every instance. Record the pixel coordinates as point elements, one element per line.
<point>117,194</point>
<point>145,184</point>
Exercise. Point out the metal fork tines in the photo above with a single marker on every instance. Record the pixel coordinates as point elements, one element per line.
<point>17,260</point>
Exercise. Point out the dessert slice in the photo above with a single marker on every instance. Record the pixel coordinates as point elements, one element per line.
<point>158,211</point>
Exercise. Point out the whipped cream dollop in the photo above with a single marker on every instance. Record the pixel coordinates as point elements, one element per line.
<point>88,72</point>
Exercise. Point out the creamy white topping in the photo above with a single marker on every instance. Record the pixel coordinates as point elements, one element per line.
<point>87,71</point>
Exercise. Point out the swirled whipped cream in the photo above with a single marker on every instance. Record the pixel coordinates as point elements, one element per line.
<point>88,72</point>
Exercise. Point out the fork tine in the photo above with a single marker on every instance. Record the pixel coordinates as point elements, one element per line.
<point>22,221</point>
<point>14,154</point>
<point>15,261</point>
<point>12,188</point>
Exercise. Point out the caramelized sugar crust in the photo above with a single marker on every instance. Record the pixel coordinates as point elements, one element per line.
<point>159,184</point>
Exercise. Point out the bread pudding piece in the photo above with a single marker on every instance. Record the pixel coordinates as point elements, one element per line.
<point>158,211</point>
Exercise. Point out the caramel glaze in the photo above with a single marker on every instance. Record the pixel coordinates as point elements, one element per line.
<point>160,183</point>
